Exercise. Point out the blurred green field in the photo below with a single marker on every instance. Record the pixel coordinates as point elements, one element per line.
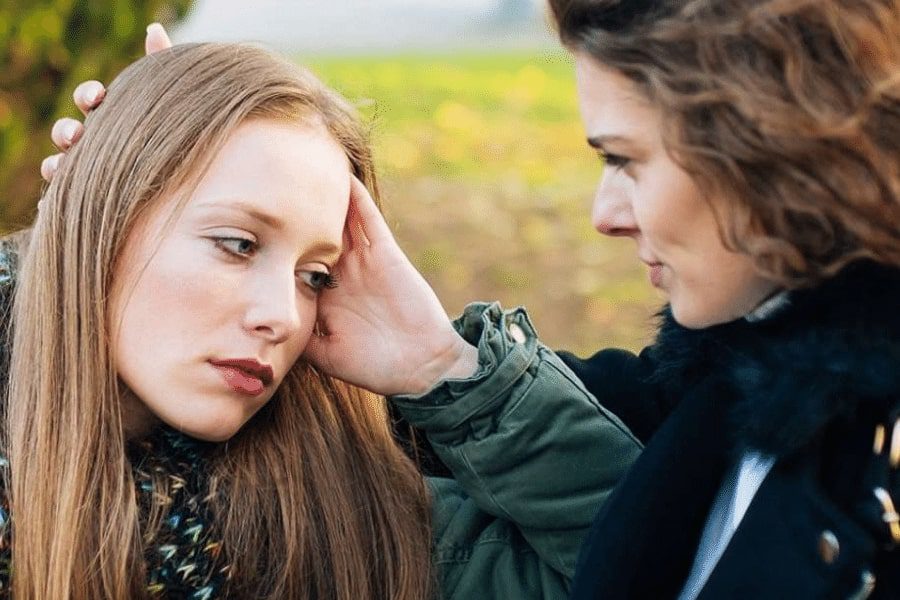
<point>487,183</point>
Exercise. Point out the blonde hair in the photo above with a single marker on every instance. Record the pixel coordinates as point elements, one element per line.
<point>312,498</point>
<point>789,109</point>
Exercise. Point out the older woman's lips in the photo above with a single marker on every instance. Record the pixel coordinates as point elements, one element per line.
<point>656,274</point>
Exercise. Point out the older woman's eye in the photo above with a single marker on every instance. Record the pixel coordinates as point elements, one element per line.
<point>236,246</point>
<point>616,161</point>
<point>318,280</point>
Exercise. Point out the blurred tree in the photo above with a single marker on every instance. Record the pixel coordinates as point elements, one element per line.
<point>46,48</point>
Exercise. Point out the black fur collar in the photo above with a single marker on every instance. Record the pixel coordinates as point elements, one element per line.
<point>825,353</point>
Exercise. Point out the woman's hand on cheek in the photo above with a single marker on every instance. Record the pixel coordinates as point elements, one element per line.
<point>383,328</point>
<point>89,95</point>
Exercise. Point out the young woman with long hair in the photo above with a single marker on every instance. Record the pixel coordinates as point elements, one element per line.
<point>164,435</point>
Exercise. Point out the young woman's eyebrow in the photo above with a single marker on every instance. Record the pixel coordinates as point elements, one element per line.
<point>323,248</point>
<point>250,210</point>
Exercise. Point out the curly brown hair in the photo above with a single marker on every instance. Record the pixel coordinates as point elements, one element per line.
<point>788,108</point>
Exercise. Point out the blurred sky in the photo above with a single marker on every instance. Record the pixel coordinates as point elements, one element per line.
<point>376,26</point>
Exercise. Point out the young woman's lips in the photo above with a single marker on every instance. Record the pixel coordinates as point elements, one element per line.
<point>241,381</point>
<point>248,380</point>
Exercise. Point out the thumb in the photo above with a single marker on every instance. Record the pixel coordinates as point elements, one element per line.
<point>157,39</point>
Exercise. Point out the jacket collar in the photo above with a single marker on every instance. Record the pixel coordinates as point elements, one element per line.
<point>816,354</point>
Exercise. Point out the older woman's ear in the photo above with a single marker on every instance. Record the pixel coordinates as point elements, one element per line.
<point>88,95</point>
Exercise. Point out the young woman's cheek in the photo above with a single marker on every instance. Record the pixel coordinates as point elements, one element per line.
<point>190,289</point>
<point>309,313</point>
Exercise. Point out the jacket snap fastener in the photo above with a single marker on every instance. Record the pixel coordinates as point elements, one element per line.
<point>829,547</point>
<point>516,333</point>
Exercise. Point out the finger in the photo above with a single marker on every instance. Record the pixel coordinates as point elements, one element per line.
<point>366,214</point>
<point>354,233</point>
<point>157,39</point>
<point>88,95</point>
<point>66,132</point>
<point>49,166</point>
<point>349,243</point>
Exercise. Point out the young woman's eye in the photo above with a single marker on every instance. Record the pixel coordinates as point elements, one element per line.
<point>318,280</point>
<point>236,246</point>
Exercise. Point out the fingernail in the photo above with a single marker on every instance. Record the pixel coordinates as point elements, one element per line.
<point>96,94</point>
<point>49,166</point>
<point>69,131</point>
<point>91,94</point>
<point>153,26</point>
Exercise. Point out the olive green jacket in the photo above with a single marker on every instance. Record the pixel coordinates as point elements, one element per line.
<point>533,454</point>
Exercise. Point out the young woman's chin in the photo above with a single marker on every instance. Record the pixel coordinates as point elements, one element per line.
<point>208,420</point>
<point>217,430</point>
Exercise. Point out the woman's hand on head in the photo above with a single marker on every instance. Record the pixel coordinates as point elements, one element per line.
<point>88,96</point>
<point>383,328</point>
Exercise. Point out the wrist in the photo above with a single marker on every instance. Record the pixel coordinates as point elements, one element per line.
<point>458,361</point>
<point>465,365</point>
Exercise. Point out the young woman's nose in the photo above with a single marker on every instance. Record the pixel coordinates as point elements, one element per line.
<point>612,212</point>
<point>274,308</point>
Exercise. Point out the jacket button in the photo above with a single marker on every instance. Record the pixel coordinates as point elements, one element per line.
<point>829,547</point>
<point>867,586</point>
<point>516,333</point>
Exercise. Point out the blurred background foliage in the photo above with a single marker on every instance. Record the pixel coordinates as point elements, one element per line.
<point>486,176</point>
<point>488,183</point>
<point>46,48</point>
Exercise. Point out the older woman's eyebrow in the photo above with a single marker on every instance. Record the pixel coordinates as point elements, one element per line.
<point>599,141</point>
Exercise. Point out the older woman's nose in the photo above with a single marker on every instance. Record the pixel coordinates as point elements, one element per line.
<point>612,212</point>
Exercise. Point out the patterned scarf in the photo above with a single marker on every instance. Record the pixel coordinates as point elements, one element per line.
<point>184,559</point>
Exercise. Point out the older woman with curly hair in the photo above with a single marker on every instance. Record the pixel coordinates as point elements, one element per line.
<point>752,152</point>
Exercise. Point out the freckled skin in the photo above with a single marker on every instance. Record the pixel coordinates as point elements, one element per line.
<point>181,300</point>
<point>652,200</point>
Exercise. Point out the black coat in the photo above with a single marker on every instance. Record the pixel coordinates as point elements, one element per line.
<point>808,385</point>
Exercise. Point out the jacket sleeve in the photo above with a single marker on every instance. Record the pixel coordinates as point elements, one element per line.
<point>624,383</point>
<point>533,456</point>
